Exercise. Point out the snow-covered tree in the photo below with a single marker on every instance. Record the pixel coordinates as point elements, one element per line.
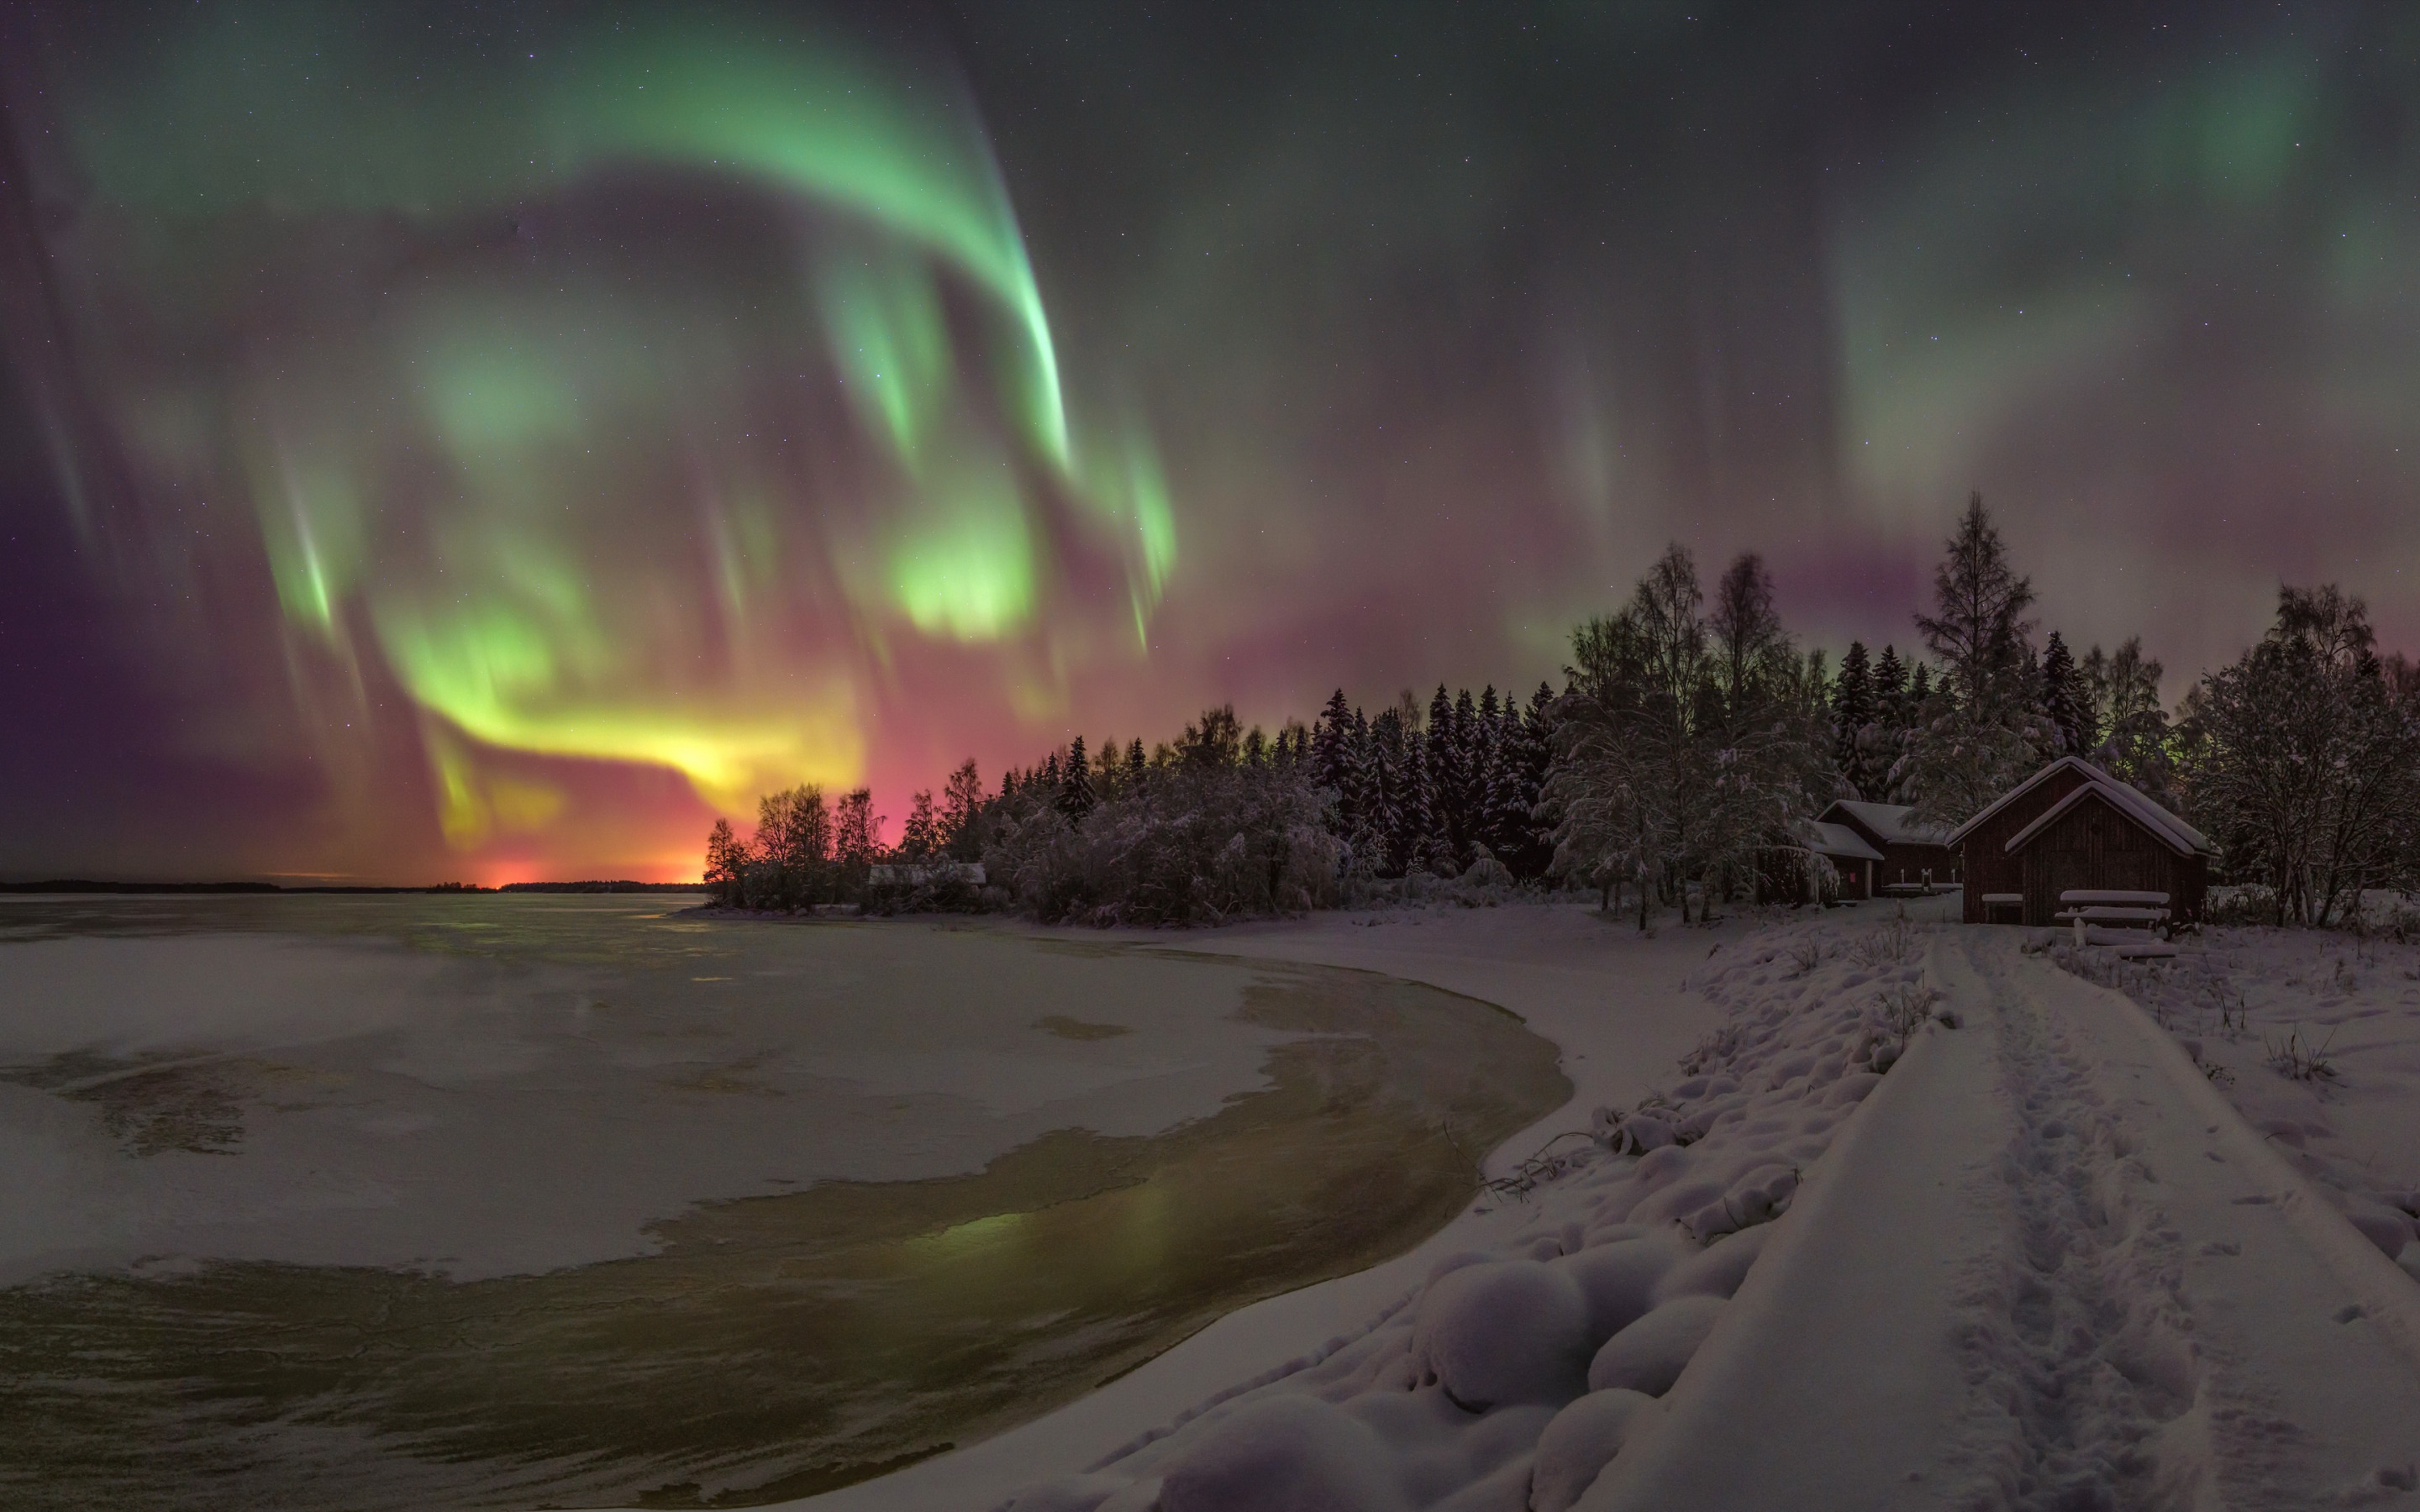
<point>1852,709</point>
<point>920,838</point>
<point>1466,785</point>
<point>1982,731</point>
<point>962,806</point>
<point>1689,743</point>
<point>2065,702</point>
<point>1772,767</point>
<point>790,859</point>
<point>1076,793</point>
<point>2307,766</point>
<point>1883,740</point>
<point>1890,688</point>
<point>1207,835</point>
<point>1535,755</point>
<point>2133,739</point>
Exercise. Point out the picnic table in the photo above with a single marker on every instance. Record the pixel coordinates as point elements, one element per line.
<point>2092,910</point>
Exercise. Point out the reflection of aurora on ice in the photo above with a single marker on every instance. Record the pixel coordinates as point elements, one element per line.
<point>565,1202</point>
<point>642,407</point>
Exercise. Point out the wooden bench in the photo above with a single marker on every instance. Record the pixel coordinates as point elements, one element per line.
<point>2116,909</point>
<point>2113,914</point>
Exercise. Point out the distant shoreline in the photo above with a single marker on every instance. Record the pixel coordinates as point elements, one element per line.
<point>78,886</point>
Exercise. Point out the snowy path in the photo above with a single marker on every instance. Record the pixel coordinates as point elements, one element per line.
<point>1831,1378</point>
<point>2048,1268</point>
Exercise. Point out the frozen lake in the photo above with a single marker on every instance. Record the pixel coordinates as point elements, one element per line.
<point>366,1202</point>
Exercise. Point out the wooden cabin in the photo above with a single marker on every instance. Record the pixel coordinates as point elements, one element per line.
<point>2073,827</point>
<point>1879,847</point>
<point>1853,860</point>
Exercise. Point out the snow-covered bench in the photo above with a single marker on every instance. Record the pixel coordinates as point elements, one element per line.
<point>2097,911</point>
<point>2113,914</point>
<point>2105,905</point>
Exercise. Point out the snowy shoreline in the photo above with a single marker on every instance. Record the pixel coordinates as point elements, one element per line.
<point>1615,1002</point>
<point>2045,1267</point>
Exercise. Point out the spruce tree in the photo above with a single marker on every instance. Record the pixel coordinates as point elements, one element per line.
<point>1469,800</point>
<point>1484,755</point>
<point>1075,796</point>
<point>1890,690</point>
<point>2064,700</point>
<point>1416,808</point>
<point>1883,740</point>
<point>1332,759</point>
<point>1852,709</point>
<point>1537,760</point>
<point>1387,783</point>
<point>1504,824</point>
<point>1361,783</point>
<point>1442,764</point>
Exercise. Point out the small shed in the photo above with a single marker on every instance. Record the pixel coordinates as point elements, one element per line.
<point>1906,854</point>
<point>2072,826</point>
<point>1852,858</point>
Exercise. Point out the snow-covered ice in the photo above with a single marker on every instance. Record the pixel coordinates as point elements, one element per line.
<point>453,1110</point>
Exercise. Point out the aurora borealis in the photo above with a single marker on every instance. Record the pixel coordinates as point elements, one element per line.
<point>486,441</point>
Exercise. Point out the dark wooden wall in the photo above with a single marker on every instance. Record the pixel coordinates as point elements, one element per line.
<point>1901,862</point>
<point>1908,863</point>
<point>1986,864</point>
<point>2098,845</point>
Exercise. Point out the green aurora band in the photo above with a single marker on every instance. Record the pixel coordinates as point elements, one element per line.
<point>479,448</point>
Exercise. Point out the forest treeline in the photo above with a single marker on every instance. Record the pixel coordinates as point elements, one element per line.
<point>1682,763</point>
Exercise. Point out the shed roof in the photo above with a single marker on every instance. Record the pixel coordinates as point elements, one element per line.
<point>2174,832</point>
<point>1895,823</point>
<point>2093,790</point>
<point>1840,840</point>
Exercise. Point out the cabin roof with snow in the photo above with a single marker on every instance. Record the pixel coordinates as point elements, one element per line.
<point>1840,840</point>
<point>1892,824</point>
<point>2162,825</point>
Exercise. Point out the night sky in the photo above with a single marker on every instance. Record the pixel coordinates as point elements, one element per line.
<point>487,441</point>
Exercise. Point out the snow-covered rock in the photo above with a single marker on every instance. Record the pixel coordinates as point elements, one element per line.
<point>1285,1453</point>
<point>1650,1353</point>
<point>1494,1334</point>
<point>1580,1441</point>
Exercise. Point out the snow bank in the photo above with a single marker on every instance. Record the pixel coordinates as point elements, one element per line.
<point>2314,1037</point>
<point>1515,1373</point>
